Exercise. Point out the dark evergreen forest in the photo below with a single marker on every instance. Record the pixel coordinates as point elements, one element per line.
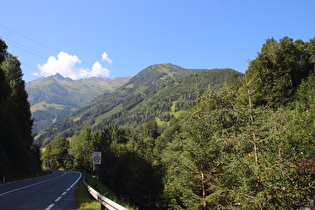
<point>17,156</point>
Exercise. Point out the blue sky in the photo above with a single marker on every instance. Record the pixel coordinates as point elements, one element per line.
<point>116,38</point>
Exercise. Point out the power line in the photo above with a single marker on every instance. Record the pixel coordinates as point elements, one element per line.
<point>37,53</point>
<point>27,49</point>
<point>44,45</point>
<point>34,52</point>
<point>29,66</point>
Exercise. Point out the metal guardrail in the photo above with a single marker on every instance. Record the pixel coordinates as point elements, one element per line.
<point>107,203</point>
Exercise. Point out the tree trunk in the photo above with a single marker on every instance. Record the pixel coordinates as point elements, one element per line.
<point>203,186</point>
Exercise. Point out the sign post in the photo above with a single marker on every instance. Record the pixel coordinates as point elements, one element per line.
<point>97,160</point>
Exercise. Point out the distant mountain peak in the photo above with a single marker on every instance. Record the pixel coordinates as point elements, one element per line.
<point>58,76</point>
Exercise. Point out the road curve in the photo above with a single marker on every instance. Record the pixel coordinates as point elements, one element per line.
<point>54,191</point>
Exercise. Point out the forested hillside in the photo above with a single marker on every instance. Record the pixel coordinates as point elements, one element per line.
<point>159,91</point>
<point>55,97</point>
<point>247,145</point>
<point>17,157</point>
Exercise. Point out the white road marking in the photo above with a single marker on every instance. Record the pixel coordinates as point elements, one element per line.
<point>30,185</point>
<point>58,198</point>
<point>50,206</point>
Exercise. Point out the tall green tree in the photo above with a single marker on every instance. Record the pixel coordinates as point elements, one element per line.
<point>15,119</point>
<point>18,97</point>
<point>271,151</point>
<point>266,166</point>
<point>279,69</point>
<point>3,86</point>
<point>81,147</point>
<point>4,91</point>
<point>194,159</point>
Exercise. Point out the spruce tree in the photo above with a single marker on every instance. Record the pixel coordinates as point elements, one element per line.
<point>15,119</point>
<point>279,69</point>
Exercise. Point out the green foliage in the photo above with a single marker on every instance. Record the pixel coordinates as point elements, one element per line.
<point>222,154</point>
<point>194,157</point>
<point>81,147</point>
<point>305,93</point>
<point>59,146</point>
<point>218,157</point>
<point>124,169</point>
<point>17,157</point>
<point>279,69</point>
<point>150,129</point>
<point>234,80</point>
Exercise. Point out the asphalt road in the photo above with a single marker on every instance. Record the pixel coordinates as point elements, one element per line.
<point>54,191</point>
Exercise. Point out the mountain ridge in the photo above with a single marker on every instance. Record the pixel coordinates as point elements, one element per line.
<point>58,76</point>
<point>53,98</point>
<point>119,106</point>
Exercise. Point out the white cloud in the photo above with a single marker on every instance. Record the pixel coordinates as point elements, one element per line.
<point>65,64</point>
<point>106,58</point>
<point>97,70</point>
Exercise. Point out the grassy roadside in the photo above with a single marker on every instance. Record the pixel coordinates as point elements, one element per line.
<point>86,202</point>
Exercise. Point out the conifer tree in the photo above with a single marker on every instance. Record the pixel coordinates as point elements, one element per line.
<point>194,159</point>
<point>18,98</point>
<point>15,119</point>
<point>280,67</point>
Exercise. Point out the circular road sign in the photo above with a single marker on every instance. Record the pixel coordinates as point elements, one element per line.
<point>97,158</point>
